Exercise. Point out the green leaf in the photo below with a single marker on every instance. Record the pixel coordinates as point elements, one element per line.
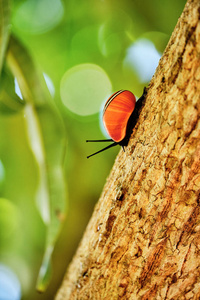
<point>45,270</point>
<point>9,101</point>
<point>30,79</point>
<point>47,140</point>
<point>9,225</point>
<point>4,28</point>
<point>8,104</point>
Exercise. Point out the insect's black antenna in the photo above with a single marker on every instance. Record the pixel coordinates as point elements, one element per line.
<point>93,141</point>
<point>112,145</point>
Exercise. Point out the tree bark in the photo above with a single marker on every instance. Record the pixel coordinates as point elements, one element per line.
<point>143,240</point>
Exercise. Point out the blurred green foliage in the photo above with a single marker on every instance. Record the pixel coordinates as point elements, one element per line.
<point>60,35</point>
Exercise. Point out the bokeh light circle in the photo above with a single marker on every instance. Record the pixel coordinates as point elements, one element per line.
<point>10,288</point>
<point>84,87</point>
<point>143,58</point>
<point>38,16</point>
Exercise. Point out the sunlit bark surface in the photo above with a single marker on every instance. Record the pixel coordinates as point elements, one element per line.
<point>143,240</point>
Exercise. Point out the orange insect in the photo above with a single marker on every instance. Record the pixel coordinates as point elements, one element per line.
<point>116,115</point>
<point>120,114</point>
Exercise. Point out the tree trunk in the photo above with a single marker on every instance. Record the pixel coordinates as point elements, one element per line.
<point>143,240</point>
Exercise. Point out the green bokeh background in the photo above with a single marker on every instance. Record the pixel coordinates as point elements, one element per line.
<point>60,35</point>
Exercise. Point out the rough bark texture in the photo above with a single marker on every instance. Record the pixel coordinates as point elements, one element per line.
<point>143,240</point>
